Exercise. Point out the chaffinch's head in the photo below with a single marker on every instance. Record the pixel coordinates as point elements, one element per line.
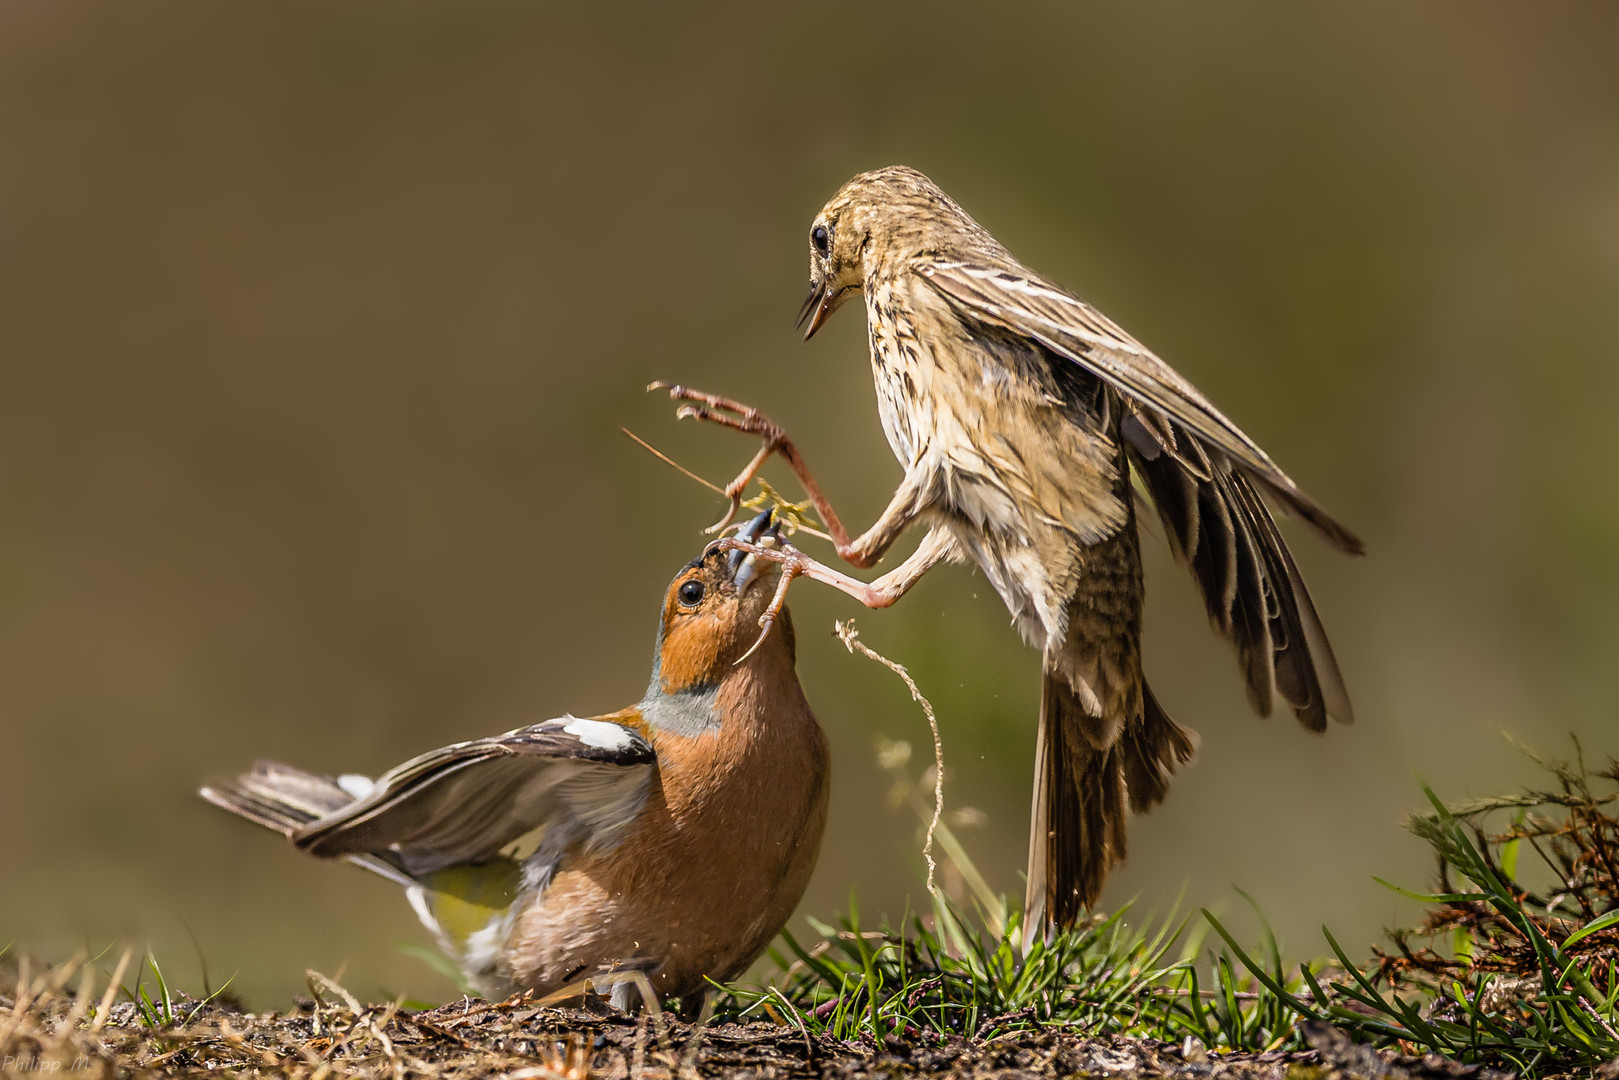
<point>711,616</point>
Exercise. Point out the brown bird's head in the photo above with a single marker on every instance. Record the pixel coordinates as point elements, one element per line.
<point>875,223</point>
<point>711,615</point>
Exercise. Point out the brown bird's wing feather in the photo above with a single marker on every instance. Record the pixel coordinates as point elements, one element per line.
<point>1201,470</point>
<point>1165,406</point>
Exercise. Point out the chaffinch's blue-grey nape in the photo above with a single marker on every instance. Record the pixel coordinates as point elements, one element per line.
<point>672,838</point>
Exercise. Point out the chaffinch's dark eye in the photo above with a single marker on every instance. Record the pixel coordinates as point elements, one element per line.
<point>691,593</point>
<point>821,239</point>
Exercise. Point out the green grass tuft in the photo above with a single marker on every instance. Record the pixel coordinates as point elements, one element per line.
<point>946,975</point>
<point>1527,979</point>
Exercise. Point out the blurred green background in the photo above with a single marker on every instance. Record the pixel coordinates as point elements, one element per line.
<point>318,323</point>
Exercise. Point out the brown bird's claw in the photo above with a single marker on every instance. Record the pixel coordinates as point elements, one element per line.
<point>727,412</point>
<point>793,563</point>
<point>724,411</point>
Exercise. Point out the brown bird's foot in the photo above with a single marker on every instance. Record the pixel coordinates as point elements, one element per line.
<point>750,421</point>
<point>936,547</point>
<point>794,563</point>
<point>862,551</point>
<point>738,417</point>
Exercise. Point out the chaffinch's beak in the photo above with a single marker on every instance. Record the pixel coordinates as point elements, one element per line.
<point>764,531</point>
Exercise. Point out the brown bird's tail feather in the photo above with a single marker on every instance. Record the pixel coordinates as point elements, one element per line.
<point>1154,750</point>
<point>1081,792</point>
<point>1076,834</point>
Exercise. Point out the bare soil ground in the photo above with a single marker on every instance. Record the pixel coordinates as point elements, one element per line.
<point>336,1037</point>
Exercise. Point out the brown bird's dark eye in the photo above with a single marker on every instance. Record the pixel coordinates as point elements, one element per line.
<point>691,593</point>
<point>821,238</point>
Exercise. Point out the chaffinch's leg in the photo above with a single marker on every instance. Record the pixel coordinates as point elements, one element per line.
<point>862,551</point>
<point>936,547</point>
<point>697,1007</point>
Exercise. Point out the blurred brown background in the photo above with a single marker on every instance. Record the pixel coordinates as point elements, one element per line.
<point>318,323</point>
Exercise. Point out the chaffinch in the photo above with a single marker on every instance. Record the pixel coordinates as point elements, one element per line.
<point>673,838</point>
<point>1020,414</point>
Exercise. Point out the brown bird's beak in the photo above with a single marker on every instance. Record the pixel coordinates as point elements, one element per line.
<point>817,306</point>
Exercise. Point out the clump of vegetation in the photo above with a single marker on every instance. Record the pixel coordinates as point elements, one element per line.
<point>1519,960</point>
<point>1501,973</point>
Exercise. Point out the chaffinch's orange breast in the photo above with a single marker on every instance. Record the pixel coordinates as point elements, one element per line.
<point>720,854</point>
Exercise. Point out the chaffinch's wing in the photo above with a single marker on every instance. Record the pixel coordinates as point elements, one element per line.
<point>467,801</point>
<point>581,779</point>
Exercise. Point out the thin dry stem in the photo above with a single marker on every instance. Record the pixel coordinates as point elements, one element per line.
<point>850,637</point>
<point>667,460</point>
<point>105,1008</point>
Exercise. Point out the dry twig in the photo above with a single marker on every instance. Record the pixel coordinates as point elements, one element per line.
<point>846,633</point>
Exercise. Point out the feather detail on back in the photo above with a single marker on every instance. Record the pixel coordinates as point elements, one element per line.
<point>1201,471</point>
<point>1168,410</point>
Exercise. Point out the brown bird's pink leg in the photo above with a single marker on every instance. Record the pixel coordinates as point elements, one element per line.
<point>937,546</point>
<point>862,551</point>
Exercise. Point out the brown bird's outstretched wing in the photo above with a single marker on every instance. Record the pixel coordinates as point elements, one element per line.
<point>459,804</point>
<point>1203,473</point>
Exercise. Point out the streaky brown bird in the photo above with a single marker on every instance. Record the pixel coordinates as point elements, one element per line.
<point>1018,412</point>
<point>667,842</point>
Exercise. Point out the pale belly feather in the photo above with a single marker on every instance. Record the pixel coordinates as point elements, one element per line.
<point>1025,480</point>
